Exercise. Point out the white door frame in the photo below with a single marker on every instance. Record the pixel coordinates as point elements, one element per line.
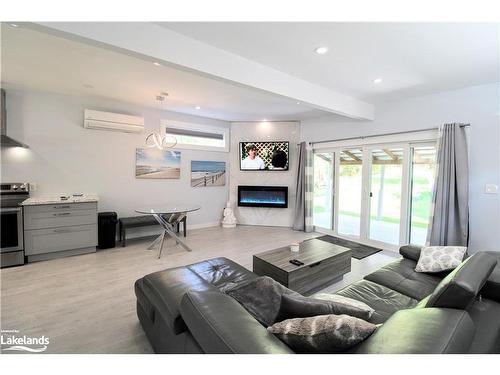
<point>403,223</point>
<point>332,184</point>
<point>421,140</point>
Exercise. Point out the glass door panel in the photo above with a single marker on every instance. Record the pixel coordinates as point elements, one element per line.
<point>385,194</point>
<point>349,191</point>
<point>422,185</point>
<point>323,189</point>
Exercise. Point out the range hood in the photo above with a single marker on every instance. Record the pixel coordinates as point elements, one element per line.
<point>6,141</point>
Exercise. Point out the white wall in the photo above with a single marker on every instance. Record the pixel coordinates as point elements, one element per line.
<point>479,106</point>
<point>264,131</point>
<point>65,158</point>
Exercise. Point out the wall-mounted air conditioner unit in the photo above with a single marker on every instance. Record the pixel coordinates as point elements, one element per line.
<point>112,121</point>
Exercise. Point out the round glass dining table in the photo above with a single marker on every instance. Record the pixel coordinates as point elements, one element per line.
<point>168,216</point>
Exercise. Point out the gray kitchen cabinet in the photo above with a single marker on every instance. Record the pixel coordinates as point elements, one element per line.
<point>41,220</point>
<point>54,230</point>
<point>41,241</point>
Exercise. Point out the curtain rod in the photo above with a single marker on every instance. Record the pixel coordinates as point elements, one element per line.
<point>380,135</point>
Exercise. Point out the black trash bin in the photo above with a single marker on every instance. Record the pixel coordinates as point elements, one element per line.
<point>106,229</point>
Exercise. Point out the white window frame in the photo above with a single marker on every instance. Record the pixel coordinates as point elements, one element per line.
<point>197,127</point>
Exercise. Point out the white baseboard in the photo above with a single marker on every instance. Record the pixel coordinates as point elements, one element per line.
<point>204,225</point>
<point>266,225</point>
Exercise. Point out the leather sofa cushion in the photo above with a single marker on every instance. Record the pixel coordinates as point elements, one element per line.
<point>410,252</point>
<point>459,289</point>
<point>491,288</point>
<point>422,331</point>
<point>384,300</point>
<point>485,314</point>
<point>222,273</point>
<point>164,289</point>
<point>400,275</point>
<point>221,325</point>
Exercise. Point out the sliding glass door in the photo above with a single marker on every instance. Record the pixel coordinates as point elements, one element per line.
<point>379,194</point>
<point>324,163</point>
<point>385,194</point>
<point>423,169</point>
<point>350,185</point>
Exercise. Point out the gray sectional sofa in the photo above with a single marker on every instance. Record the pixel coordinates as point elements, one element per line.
<point>185,309</point>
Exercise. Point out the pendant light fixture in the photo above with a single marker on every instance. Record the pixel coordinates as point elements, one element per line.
<point>156,139</point>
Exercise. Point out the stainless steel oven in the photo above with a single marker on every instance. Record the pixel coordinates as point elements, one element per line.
<point>11,222</point>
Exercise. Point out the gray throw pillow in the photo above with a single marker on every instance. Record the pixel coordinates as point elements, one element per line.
<point>261,297</point>
<point>322,334</point>
<point>440,258</point>
<point>302,307</point>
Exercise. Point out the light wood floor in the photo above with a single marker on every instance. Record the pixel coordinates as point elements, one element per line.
<point>86,303</point>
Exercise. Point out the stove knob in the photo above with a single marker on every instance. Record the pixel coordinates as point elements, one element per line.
<point>24,187</point>
<point>14,187</point>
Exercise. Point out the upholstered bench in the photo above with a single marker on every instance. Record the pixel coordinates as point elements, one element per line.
<point>141,221</point>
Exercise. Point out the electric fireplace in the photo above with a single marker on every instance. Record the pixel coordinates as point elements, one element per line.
<point>263,196</point>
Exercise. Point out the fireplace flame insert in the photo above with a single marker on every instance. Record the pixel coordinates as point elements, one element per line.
<point>263,196</point>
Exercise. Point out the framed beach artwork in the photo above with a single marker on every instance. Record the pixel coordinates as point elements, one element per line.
<point>208,173</point>
<point>157,164</point>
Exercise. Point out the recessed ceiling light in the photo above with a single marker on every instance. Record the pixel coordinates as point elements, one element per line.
<point>298,103</point>
<point>321,50</point>
<point>156,64</point>
<point>197,107</point>
<point>264,119</point>
<point>14,25</point>
<point>377,80</point>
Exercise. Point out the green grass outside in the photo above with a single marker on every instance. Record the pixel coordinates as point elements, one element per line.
<point>421,205</point>
<point>387,219</point>
<point>397,181</point>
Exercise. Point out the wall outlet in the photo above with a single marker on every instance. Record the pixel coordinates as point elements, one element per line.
<point>490,189</point>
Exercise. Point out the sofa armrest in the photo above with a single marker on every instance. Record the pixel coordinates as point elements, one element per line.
<point>410,252</point>
<point>422,331</point>
<point>221,325</point>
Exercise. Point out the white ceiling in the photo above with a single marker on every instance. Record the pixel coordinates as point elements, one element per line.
<point>412,58</point>
<point>46,62</point>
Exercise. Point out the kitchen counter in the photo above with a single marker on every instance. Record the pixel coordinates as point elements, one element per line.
<point>55,200</point>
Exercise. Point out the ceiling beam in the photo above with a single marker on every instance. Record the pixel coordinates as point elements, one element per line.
<point>156,43</point>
